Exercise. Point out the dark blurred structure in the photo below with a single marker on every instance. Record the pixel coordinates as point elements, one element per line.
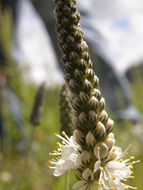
<point>9,4</point>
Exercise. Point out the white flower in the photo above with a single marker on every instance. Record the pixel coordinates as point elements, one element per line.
<point>85,183</point>
<point>114,170</point>
<point>111,172</point>
<point>67,156</point>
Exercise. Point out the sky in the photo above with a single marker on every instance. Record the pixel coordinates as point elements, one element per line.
<point>120,23</point>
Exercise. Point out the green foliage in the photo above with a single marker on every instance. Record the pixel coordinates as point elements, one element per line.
<point>5,32</point>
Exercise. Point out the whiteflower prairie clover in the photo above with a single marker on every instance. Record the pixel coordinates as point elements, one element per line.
<point>91,150</point>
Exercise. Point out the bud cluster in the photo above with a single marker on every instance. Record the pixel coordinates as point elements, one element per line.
<point>93,127</point>
<point>90,120</point>
<point>86,98</point>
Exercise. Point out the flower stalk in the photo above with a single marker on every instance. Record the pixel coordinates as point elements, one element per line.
<point>91,150</point>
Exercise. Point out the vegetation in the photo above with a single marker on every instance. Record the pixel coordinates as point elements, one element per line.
<point>28,170</point>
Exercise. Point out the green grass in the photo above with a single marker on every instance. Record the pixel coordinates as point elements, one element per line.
<point>37,176</point>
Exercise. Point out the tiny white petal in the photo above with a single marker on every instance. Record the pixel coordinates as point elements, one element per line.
<point>97,166</point>
<point>59,170</point>
<point>119,169</point>
<point>80,185</point>
<point>67,150</point>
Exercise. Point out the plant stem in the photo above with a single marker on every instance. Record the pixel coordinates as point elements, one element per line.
<point>67,181</point>
<point>29,148</point>
<point>27,156</point>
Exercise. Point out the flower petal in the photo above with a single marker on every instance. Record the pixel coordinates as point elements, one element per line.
<point>62,166</point>
<point>118,169</point>
<point>97,166</point>
<point>59,170</point>
<point>66,151</point>
<point>80,185</point>
<point>118,152</point>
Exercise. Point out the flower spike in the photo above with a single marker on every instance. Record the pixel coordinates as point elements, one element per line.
<point>91,150</point>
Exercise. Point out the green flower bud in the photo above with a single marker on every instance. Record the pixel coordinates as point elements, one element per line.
<point>92,116</point>
<point>83,117</point>
<point>87,174</point>
<point>109,125</point>
<point>93,103</point>
<point>85,157</point>
<point>90,140</point>
<point>100,130</point>
<point>80,136</point>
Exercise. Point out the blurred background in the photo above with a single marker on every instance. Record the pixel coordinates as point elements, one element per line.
<point>29,57</point>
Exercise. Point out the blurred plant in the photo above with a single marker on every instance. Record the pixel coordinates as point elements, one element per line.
<point>65,110</point>
<point>37,110</point>
<point>5,57</point>
<point>7,66</point>
<point>36,116</point>
<point>5,34</point>
<point>91,150</point>
<point>10,85</point>
<point>35,120</point>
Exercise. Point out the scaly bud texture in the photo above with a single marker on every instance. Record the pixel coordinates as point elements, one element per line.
<point>93,152</point>
<point>86,99</point>
<point>65,110</point>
